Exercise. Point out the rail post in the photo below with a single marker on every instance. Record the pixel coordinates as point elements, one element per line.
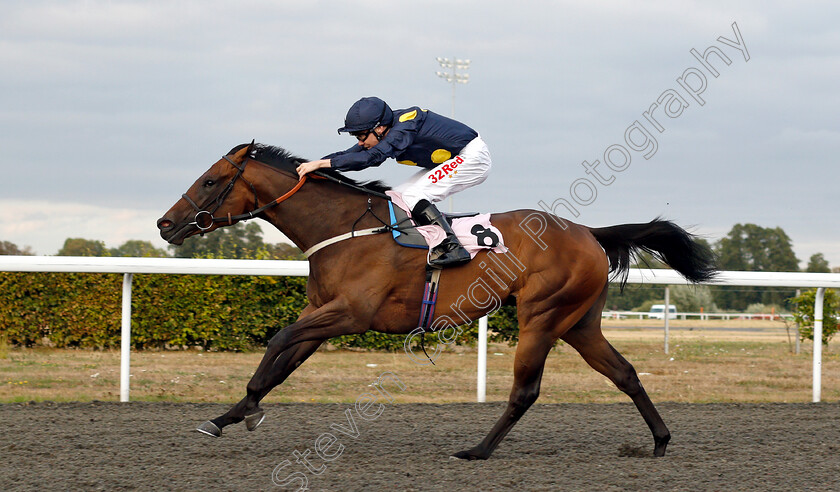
<point>667,315</point>
<point>798,335</point>
<point>482,360</point>
<point>125,337</point>
<point>818,329</point>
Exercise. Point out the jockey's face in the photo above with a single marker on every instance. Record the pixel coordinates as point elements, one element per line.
<point>370,140</point>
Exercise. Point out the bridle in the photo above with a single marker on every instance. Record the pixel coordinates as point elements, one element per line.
<point>204,218</point>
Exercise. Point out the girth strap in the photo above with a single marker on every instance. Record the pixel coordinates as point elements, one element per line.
<point>427,307</point>
<point>323,244</point>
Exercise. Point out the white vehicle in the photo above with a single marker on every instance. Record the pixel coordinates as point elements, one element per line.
<point>657,311</point>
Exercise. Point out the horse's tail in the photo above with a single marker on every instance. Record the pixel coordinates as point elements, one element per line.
<point>664,240</point>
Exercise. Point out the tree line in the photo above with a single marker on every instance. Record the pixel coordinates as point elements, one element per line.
<point>747,247</point>
<point>209,301</point>
<point>240,241</point>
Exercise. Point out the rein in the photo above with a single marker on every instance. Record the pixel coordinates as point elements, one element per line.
<point>204,219</point>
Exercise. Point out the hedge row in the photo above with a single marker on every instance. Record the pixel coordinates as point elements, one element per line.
<point>214,312</point>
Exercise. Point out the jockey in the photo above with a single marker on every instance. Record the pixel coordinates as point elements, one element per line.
<point>453,157</point>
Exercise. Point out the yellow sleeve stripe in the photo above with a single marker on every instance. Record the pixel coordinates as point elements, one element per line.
<point>408,116</point>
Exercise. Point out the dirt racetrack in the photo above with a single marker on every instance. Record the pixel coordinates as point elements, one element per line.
<point>152,446</point>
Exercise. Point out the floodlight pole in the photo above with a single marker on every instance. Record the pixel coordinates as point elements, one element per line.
<point>462,78</point>
<point>453,78</point>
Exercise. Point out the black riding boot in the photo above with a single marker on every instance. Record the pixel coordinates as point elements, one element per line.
<point>449,252</point>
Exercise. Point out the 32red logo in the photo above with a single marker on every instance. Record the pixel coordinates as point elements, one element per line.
<point>444,170</point>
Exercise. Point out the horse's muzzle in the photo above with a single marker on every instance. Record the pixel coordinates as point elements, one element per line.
<point>168,231</point>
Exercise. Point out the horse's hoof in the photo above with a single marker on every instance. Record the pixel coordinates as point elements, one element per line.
<point>469,455</point>
<point>660,445</point>
<point>254,420</point>
<point>210,429</point>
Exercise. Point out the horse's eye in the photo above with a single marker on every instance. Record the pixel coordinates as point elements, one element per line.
<point>209,183</point>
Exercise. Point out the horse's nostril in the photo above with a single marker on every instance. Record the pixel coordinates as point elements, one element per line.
<point>164,224</point>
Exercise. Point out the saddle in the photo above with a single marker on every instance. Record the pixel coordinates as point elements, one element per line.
<point>404,231</point>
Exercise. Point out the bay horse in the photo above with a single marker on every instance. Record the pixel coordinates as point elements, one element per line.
<point>559,282</point>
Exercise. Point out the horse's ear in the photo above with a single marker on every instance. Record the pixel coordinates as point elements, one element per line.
<point>245,151</point>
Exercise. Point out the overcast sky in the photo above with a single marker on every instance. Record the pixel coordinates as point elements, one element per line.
<point>111,109</point>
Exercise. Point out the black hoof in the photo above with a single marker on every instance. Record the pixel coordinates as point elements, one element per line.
<point>660,445</point>
<point>469,454</point>
<point>254,420</point>
<point>210,429</point>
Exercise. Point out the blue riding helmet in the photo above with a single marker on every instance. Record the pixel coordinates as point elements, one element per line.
<point>367,113</point>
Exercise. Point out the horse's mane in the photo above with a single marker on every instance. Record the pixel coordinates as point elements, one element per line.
<point>281,158</point>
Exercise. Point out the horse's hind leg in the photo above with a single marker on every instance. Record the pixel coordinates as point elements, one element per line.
<point>587,339</point>
<point>531,352</point>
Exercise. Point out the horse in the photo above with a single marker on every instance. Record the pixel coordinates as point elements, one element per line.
<point>557,273</point>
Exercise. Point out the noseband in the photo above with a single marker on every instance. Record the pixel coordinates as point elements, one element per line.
<point>204,218</point>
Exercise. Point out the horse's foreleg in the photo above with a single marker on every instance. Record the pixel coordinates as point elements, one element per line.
<point>286,350</point>
<point>527,373</point>
<point>273,370</point>
<point>588,340</point>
